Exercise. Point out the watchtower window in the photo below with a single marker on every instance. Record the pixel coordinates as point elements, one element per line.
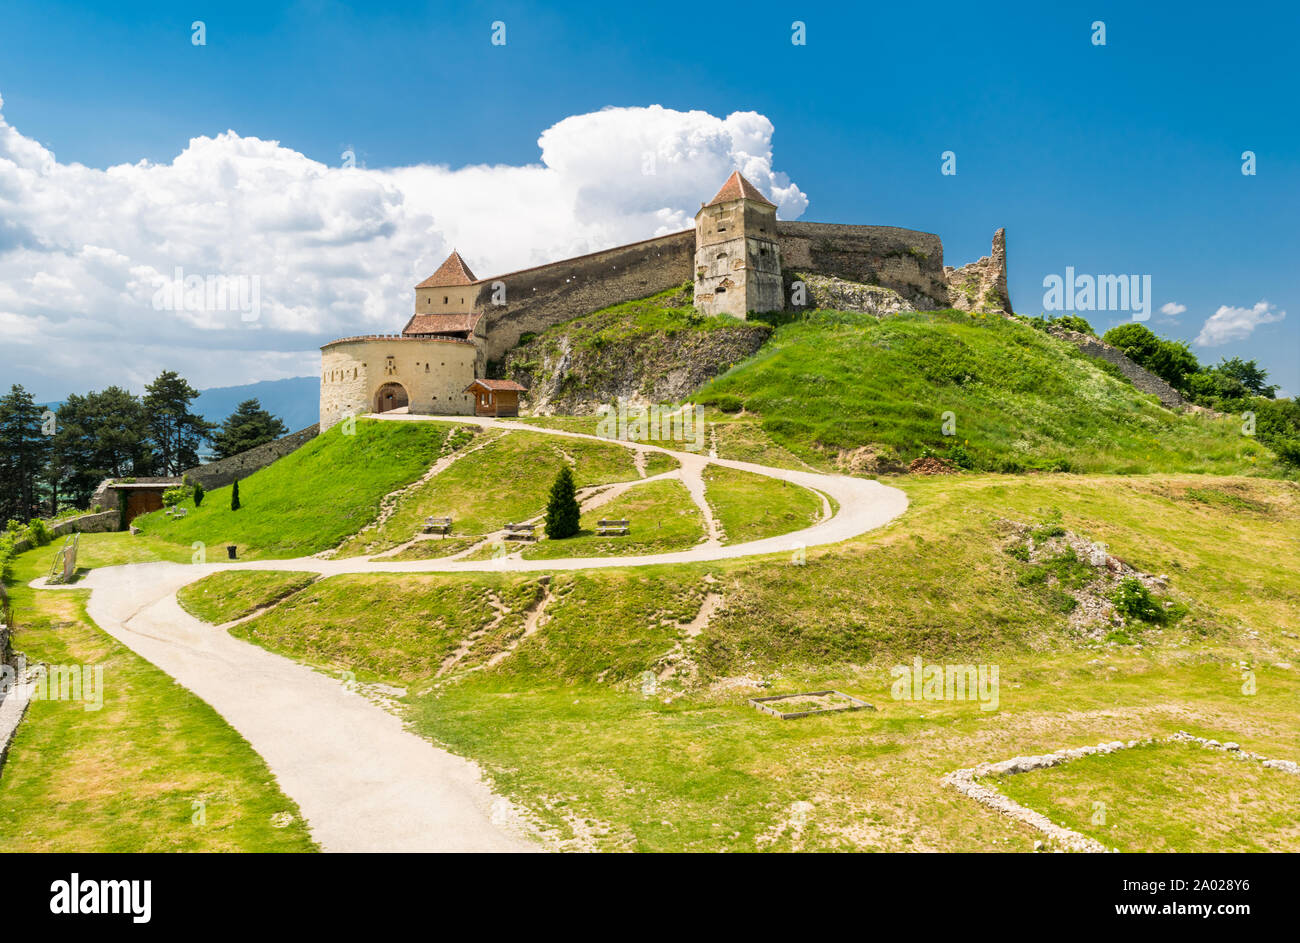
<point>445,299</point>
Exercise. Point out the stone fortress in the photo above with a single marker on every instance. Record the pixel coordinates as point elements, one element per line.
<point>741,258</point>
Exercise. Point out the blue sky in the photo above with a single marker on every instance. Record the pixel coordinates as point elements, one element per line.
<point>1124,158</point>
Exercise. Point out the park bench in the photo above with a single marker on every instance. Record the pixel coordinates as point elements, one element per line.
<point>437,525</point>
<point>521,531</point>
<point>608,527</point>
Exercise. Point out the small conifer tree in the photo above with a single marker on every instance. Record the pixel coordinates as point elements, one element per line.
<point>198,494</point>
<point>234,497</point>
<point>562,510</point>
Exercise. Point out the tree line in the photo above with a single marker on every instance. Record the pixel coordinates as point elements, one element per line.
<point>52,461</point>
<point>1233,385</point>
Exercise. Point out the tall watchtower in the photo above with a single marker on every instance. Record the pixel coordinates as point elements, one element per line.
<point>737,258</point>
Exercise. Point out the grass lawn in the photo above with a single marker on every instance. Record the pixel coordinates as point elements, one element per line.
<point>751,506</point>
<point>1020,399</point>
<point>1166,797</point>
<point>155,769</point>
<point>358,623</point>
<point>312,498</point>
<point>224,597</point>
<point>663,516</point>
<point>565,725</point>
<point>506,480</point>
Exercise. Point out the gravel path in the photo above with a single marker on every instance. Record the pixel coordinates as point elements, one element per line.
<point>362,781</point>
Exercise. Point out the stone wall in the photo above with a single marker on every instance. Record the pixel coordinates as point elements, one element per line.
<point>982,285</point>
<point>222,472</point>
<point>433,371</point>
<point>909,262</point>
<point>100,523</point>
<point>538,298</point>
<point>1143,379</point>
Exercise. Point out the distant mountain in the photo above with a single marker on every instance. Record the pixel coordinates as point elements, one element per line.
<point>295,400</point>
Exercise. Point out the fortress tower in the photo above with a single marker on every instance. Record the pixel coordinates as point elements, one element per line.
<point>737,257</point>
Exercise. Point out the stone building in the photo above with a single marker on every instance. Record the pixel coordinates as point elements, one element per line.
<point>739,256</point>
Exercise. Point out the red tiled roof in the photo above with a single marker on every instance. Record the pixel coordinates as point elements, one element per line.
<point>440,324</point>
<point>738,188</point>
<point>452,272</point>
<point>497,385</point>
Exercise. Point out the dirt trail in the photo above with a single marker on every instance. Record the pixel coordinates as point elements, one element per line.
<point>363,781</point>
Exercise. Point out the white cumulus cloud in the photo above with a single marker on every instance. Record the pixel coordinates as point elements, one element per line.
<point>1172,309</point>
<point>1234,324</point>
<point>335,251</point>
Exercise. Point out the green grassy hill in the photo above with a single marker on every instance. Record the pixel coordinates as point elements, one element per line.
<point>311,499</point>
<point>831,383</point>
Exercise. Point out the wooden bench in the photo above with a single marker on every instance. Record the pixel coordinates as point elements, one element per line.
<point>437,525</point>
<point>521,531</point>
<point>608,527</point>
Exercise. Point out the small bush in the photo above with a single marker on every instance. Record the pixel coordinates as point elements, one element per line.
<point>1134,601</point>
<point>198,494</point>
<point>726,402</point>
<point>173,496</point>
<point>38,533</point>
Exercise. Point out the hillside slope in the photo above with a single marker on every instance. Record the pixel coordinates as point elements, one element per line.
<point>872,394</point>
<point>655,350</point>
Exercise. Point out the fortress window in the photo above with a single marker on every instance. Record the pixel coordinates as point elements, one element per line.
<point>426,370</point>
<point>444,299</point>
<point>722,255</point>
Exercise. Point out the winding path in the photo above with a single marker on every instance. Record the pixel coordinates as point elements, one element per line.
<point>362,780</point>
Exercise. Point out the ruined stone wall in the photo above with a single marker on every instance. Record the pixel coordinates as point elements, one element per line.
<point>540,297</point>
<point>1143,379</point>
<point>907,261</point>
<point>433,371</point>
<point>222,472</point>
<point>982,285</point>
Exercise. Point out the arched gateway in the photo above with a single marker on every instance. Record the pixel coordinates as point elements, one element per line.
<point>391,396</point>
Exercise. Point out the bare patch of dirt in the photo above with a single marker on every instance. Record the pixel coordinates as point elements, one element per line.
<point>932,465</point>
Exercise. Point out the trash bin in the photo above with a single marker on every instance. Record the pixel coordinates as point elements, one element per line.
<point>230,551</point>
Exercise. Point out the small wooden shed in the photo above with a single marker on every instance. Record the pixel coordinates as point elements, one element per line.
<point>496,397</point>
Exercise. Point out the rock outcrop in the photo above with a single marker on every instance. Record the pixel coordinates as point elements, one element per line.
<point>839,294</point>
<point>568,370</point>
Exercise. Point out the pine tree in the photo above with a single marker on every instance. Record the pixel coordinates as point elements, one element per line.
<point>246,428</point>
<point>23,452</point>
<point>562,510</point>
<point>175,433</point>
<point>234,497</point>
<point>198,494</point>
